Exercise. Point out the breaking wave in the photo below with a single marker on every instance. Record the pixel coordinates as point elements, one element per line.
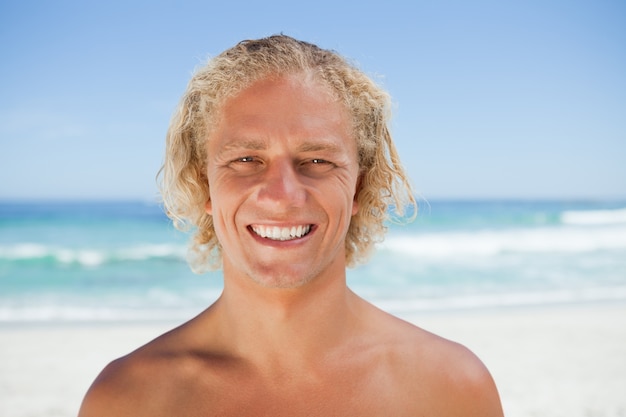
<point>86,257</point>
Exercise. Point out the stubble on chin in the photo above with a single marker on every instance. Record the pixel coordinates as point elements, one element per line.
<point>277,278</point>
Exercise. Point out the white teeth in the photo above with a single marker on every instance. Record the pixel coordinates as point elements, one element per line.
<point>281,233</point>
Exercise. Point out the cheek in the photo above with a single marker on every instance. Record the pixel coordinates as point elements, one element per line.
<point>223,206</point>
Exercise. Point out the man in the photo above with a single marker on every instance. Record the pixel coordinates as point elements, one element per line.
<point>280,158</point>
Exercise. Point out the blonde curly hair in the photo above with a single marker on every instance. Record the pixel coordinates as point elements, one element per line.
<point>384,185</point>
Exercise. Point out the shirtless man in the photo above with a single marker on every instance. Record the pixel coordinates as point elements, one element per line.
<point>280,158</point>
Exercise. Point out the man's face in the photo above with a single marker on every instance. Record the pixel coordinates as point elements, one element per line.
<point>282,169</point>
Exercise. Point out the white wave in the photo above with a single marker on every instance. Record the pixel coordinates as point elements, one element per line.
<point>156,305</point>
<point>59,313</point>
<point>490,243</point>
<point>144,252</point>
<point>594,217</point>
<point>90,257</point>
<point>24,251</point>
<point>499,300</point>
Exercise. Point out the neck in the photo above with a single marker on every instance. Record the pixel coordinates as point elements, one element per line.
<point>286,327</point>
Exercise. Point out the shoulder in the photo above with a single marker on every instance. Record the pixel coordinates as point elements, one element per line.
<point>429,374</point>
<point>146,382</point>
<point>458,381</point>
<point>465,385</point>
<point>128,385</point>
<point>110,393</point>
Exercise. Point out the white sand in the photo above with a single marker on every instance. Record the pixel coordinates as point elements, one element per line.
<point>558,362</point>
<point>566,361</point>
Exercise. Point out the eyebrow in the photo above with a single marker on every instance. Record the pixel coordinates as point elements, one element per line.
<point>245,144</point>
<point>260,145</point>
<point>319,146</point>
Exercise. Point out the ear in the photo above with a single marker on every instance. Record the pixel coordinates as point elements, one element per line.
<point>208,207</point>
<point>357,191</point>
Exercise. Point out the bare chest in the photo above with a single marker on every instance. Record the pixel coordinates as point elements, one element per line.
<point>340,394</point>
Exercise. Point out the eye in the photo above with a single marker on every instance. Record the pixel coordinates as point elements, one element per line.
<point>246,160</point>
<point>246,164</point>
<point>316,166</point>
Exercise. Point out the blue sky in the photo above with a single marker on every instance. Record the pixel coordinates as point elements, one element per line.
<point>492,99</point>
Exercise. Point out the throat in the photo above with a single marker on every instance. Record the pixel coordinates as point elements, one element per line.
<point>277,321</point>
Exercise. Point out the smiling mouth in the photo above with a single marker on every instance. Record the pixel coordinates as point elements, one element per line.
<point>281,233</point>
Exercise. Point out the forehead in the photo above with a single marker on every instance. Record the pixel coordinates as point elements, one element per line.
<point>294,106</point>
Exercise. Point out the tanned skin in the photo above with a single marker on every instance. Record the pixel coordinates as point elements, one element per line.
<point>287,337</point>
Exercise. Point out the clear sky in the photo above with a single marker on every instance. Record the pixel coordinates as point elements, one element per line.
<point>492,99</point>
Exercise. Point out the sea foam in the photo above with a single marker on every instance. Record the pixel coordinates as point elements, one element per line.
<point>89,257</point>
<point>495,242</point>
<point>507,299</point>
<point>594,217</point>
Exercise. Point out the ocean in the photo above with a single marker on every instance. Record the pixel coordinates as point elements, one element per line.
<point>123,261</point>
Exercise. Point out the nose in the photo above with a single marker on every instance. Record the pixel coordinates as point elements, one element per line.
<point>282,186</point>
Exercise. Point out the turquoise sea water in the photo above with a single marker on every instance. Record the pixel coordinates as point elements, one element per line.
<point>112,261</point>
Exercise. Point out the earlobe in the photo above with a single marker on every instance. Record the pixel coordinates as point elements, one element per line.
<point>208,207</point>
<point>355,206</point>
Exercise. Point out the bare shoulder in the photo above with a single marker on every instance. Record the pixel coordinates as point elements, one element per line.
<point>107,395</point>
<point>154,380</point>
<point>462,381</point>
<point>446,376</point>
<point>126,385</point>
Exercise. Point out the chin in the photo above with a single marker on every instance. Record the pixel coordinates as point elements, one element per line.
<point>285,279</point>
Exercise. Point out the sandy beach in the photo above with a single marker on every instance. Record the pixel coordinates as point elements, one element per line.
<point>552,362</point>
<point>565,361</point>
